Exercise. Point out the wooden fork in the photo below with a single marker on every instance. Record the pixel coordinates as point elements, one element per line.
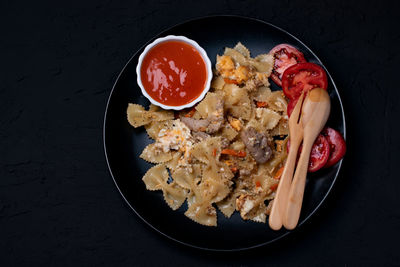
<point>276,218</point>
<point>314,114</point>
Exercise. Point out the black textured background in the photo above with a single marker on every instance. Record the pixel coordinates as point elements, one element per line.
<point>58,203</point>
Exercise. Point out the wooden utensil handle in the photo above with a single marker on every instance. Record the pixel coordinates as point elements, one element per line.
<point>276,217</point>
<point>295,197</point>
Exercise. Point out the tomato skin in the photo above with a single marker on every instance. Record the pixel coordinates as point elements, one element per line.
<point>303,77</point>
<point>319,155</point>
<point>285,56</point>
<point>337,146</point>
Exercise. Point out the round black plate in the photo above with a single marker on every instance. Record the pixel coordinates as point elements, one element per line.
<point>123,144</point>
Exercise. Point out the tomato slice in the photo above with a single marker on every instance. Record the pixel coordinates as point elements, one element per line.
<point>303,77</point>
<point>319,155</point>
<point>285,56</point>
<point>337,146</point>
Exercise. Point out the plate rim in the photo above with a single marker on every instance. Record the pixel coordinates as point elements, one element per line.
<point>200,247</point>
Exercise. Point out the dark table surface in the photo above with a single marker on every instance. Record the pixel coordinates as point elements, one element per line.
<point>58,203</point>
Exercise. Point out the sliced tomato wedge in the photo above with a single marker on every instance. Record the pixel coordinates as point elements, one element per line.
<point>337,146</point>
<point>319,155</point>
<point>285,56</point>
<point>303,77</point>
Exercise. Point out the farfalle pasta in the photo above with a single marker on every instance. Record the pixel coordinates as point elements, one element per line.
<point>224,153</point>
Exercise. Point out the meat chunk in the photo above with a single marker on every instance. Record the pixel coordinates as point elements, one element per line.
<point>257,144</point>
<point>195,125</point>
<point>200,136</point>
<point>209,125</point>
<point>216,118</point>
<point>214,126</point>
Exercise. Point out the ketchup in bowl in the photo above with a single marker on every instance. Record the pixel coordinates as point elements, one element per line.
<point>173,73</point>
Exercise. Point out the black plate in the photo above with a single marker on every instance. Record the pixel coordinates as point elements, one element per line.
<point>123,144</point>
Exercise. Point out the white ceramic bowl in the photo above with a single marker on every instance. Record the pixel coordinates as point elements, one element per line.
<point>203,54</point>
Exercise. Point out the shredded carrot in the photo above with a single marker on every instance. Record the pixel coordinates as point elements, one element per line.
<point>261,104</point>
<point>274,187</point>
<point>230,81</point>
<point>258,184</point>
<point>278,173</point>
<point>233,152</point>
<point>214,152</point>
<point>190,113</point>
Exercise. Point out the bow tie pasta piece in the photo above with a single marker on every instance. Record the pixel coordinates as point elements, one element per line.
<point>261,94</point>
<point>187,177</point>
<point>265,119</point>
<point>264,63</point>
<point>228,132</point>
<point>228,205</point>
<point>211,106</point>
<point>202,213</point>
<point>174,195</point>
<point>242,50</point>
<point>237,65</point>
<point>154,128</point>
<point>217,83</point>
<point>277,102</point>
<point>237,57</point>
<point>156,179</point>
<point>214,186</point>
<point>153,154</point>
<point>281,129</point>
<point>176,161</point>
<point>237,101</point>
<point>204,150</point>
<point>138,116</point>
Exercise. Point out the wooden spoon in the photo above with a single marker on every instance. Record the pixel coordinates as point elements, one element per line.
<point>315,112</point>
<point>296,136</point>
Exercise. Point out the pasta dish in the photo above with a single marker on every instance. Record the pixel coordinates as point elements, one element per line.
<point>225,153</point>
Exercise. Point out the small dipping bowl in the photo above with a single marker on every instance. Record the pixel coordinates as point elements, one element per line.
<point>201,52</point>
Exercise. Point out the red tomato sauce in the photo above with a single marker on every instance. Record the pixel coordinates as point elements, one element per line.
<point>173,73</point>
